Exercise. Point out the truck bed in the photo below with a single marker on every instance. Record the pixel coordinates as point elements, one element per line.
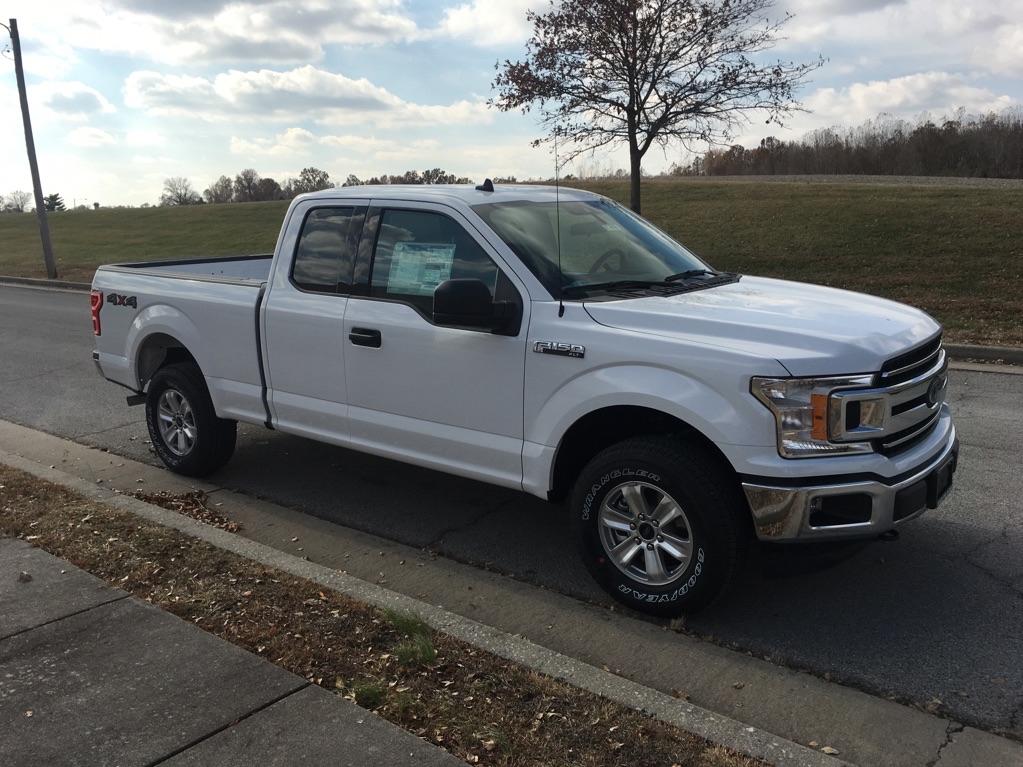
<point>253,270</point>
<point>210,306</point>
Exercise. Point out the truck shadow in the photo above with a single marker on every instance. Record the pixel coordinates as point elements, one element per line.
<point>922,618</point>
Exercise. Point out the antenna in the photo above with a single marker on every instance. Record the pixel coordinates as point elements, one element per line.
<point>557,213</point>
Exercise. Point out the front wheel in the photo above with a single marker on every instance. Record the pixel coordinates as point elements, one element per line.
<point>659,523</point>
<point>184,428</point>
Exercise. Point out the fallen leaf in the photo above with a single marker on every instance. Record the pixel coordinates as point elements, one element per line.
<point>829,751</point>
<point>24,577</point>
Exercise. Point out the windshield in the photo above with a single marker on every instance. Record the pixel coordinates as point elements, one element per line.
<point>602,244</point>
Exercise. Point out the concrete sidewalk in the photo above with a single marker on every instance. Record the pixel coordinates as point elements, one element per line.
<point>90,675</point>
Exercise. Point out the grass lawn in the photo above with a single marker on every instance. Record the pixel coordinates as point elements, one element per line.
<point>956,252</point>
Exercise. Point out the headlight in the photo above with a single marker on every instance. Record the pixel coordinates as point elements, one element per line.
<point>801,412</point>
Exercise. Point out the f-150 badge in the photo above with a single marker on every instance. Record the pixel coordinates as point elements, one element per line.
<point>559,348</point>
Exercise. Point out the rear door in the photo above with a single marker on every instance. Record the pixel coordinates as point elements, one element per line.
<point>448,398</point>
<point>303,316</point>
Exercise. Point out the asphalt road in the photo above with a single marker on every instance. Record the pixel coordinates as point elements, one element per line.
<point>933,618</point>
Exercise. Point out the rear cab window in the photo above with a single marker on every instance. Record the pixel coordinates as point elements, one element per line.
<point>325,252</point>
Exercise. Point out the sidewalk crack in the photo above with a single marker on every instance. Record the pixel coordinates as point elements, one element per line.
<point>218,730</point>
<point>117,598</point>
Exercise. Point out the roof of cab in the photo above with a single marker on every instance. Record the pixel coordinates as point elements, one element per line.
<point>464,193</point>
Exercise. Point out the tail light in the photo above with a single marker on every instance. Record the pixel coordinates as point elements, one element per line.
<point>96,303</point>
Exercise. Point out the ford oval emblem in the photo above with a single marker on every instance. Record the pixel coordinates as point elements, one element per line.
<point>934,391</point>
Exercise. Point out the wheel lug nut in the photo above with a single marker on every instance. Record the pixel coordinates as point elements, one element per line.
<point>660,538</point>
<point>650,546</point>
<point>632,526</point>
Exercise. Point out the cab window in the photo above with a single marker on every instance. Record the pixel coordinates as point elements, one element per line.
<point>417,250</point>
<point>325,253</point>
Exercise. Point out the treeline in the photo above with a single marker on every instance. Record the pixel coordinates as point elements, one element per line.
<point>988,146</point>
<point>432,176</point>
<point>249,186</point>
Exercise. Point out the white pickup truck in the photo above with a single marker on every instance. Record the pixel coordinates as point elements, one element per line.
<point>554,343</point>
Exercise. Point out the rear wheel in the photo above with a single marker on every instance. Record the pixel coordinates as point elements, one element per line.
<point>184,428</point>
<point>660,524</point>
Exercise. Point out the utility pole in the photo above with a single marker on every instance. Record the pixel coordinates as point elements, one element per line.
<point>30,144</point>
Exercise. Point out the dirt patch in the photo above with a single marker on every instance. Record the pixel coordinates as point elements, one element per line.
<point>479,707</point>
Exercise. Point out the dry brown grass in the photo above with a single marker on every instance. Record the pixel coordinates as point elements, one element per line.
<point>477,706</point>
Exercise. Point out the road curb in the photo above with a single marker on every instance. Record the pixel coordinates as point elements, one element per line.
<point>1005,354</point>
<point>33,282</point>
<point>997,354</point>
<point>716,728</point>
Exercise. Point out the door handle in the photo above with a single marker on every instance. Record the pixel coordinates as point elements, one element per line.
<point>365,337</point>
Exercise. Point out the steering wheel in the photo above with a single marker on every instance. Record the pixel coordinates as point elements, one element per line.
<point>600,265</point>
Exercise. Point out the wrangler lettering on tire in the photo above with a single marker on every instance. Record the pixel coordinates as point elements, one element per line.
<point>659,524</point>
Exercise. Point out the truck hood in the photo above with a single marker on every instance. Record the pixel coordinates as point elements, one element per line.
<point>811,330</point>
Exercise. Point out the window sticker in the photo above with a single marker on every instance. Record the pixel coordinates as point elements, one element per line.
<point>417,268</point>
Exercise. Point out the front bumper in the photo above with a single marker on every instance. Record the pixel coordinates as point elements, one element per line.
<point>856,508</point>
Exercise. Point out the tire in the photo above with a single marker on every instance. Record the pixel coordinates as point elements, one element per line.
<point>197,442</point>
<point>684,561</point>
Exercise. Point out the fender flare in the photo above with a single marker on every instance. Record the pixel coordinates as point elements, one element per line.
<point>163,320</point>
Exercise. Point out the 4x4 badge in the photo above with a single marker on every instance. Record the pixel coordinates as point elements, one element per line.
<point>559,348</point>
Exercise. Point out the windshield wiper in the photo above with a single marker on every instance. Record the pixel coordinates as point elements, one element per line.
<point>616,285</point>
<point>668,286</point>
<point>688,273</point>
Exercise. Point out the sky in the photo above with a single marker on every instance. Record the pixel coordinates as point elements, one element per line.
<point>125,93</point>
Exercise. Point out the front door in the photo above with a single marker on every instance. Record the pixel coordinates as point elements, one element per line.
<point>442,397</point>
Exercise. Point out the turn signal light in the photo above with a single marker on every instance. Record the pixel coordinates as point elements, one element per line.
<point>819,406</point>
<point>96,303</point>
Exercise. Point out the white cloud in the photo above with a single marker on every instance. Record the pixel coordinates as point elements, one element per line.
<point>71,100</point>
<point>195,33</point>
<point>306,93</point>
<point>980,35</point>
<point>489,22</point>
<point>291,142</point>
<point>88,137</point>
<point>908,96</point>
<point>295,143</point>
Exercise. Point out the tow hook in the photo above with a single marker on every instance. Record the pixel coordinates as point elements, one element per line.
<point>889,535</point>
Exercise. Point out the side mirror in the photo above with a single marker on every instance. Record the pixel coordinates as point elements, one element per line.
<point>466,303</point>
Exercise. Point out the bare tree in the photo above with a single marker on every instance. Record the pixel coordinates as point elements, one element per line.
<point>221,190</point>
<point>644,72</point>
<point>245,184</point>
<point>178,190</point>
<point>17,201</point>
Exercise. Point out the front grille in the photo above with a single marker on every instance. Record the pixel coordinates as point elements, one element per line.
<point>912,363</point>
<point>909,377</point>
<point>905,439</point>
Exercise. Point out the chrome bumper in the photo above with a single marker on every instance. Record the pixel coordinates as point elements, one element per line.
<point>853,509</point>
